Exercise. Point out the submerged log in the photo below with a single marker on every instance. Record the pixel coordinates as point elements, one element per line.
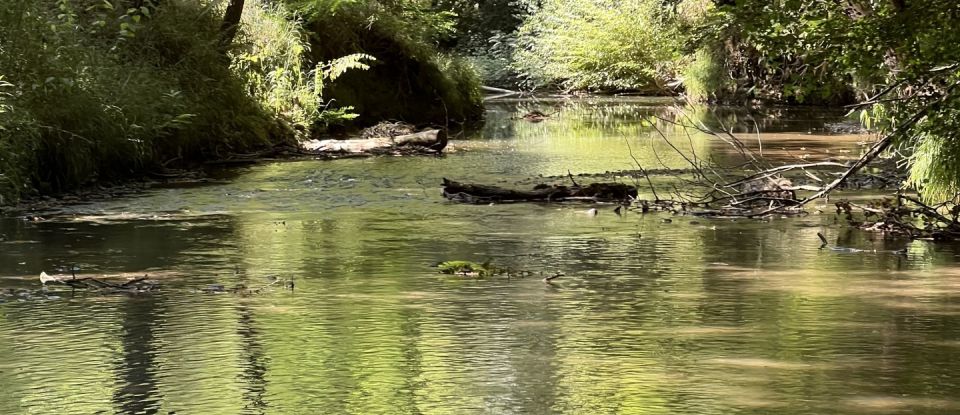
<point>136,285</point>
<point>429,141</point>
<point>596,192</point>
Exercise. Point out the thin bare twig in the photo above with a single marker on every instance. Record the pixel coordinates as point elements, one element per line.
<point>642,170</point>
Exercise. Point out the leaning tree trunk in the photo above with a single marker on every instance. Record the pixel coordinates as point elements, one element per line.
<point>231,22</point>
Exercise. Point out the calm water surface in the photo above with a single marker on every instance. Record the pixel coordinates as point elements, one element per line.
<point>715,317</point>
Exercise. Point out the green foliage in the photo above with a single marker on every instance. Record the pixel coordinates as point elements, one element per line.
<point>704,76</point>
<point>410,80</point>
<point>807,51</point>
<point>18,138</point>
<point>270,55</point>
<point>781,51</point>
<point>599,45</point>
<point>935,168</point>
<point>97,91</point>
<point>485,32</point>
<point>478,21</point>
<point>5,88</point>
<point>494,61</point>
<point>933,143</point>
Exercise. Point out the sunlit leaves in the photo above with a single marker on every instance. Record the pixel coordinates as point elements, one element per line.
<point>337,67</point>
<point>5,88</point>
<point>902,58</point>
<point>273,62</point>
<point>596,44</point>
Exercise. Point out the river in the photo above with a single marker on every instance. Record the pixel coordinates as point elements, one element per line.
<point>694,316</point>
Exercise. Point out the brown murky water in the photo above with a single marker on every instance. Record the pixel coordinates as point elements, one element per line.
<point>714,317</point>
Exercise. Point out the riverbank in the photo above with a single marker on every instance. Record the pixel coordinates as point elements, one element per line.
<point>572,118</point>
<point>101,94</point>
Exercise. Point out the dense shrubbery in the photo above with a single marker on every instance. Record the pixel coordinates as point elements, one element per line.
<point>271,53</point>
<point>600,45</point>
<point>786,51</point>
<point>485,32</point>
<point>771,51</point>
<point>92,90</point>
<point>411,79</point>
<point>98,91</point>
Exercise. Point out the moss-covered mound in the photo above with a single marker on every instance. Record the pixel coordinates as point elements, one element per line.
<point>409,81</point>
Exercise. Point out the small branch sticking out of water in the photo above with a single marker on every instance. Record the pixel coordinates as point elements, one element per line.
<point>822,239</point>
<point>549,278</point>
<point>642,170</point>
<point>570,174</point>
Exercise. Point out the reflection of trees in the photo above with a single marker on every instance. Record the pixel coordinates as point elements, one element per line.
<point>55,358</point>
<point>744,120</point>
<point>253,361</point>
<point>136,391</point>
<point>596,117</point>
<point>592,135</point>
<point>113,246</point>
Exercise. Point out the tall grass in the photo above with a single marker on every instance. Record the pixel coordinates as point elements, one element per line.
<point>269,54</point>
<point>704,76</point>
<point>96,91</point>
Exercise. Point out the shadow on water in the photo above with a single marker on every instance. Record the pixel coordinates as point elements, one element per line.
<point>255,362</point>
<point>687,317</point>
<point>137,391</point>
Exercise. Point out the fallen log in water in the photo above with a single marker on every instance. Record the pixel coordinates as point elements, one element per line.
<point>428,141</point>
<point>135,285</point>
<point>594,192</point>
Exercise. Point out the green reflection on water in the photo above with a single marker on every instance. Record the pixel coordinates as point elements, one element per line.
<point>715,317</point>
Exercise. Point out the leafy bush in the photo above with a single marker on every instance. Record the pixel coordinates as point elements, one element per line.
<point>704,77</point>
<point>773,51</point>
<point>411,79</point>
<point>808,51</point>
<point>271,54</point>
<point>97,91</point>
<point>486,34</point>
<point>599,45</point>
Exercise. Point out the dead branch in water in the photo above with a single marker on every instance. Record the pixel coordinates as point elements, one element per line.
<point>594,192</point>
<point>642,170</point>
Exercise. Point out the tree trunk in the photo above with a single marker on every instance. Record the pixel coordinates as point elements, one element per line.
<point>231,22</point>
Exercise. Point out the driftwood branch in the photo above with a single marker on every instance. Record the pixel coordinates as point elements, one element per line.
<point>595,192</point>
<point>430,140</point>
<point>781,169</point>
